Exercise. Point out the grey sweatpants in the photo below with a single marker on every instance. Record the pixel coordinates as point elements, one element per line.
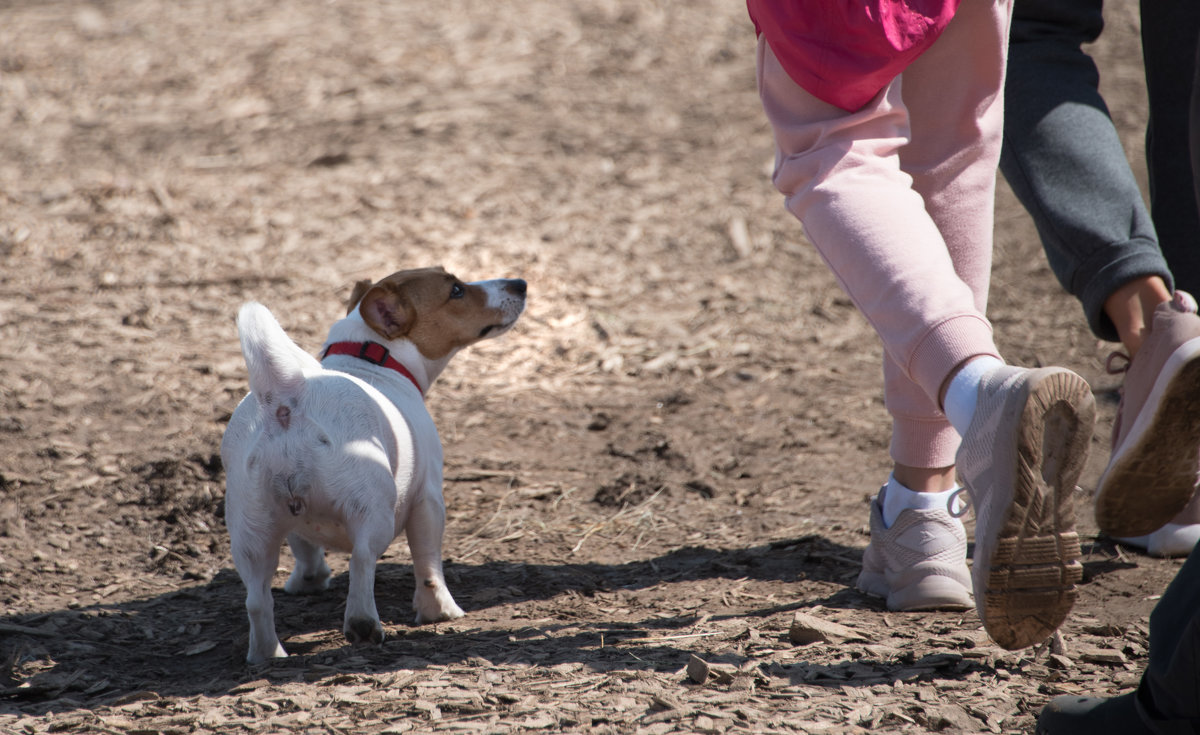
<point>1064,161</point>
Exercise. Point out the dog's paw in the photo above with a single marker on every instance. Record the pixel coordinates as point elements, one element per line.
<point>364,630</point>
<point>434,603</point>
<point>440,612</point>
<point>307,584</point>
<point>254,657</point>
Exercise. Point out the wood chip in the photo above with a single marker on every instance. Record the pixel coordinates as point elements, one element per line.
<point>199,648</point>
<point>249,686</point>
<point>1058,661</point>
<point>1103,656</point>
<point>807,629</point>
<point>139,696</point>
<point>700,671</point>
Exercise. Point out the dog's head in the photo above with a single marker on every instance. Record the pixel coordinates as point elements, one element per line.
<point>436,311</point>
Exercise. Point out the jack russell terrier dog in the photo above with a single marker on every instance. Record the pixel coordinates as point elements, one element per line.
<point>342,453</point>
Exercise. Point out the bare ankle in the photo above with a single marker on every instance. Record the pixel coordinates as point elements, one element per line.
<point>1131,309</point>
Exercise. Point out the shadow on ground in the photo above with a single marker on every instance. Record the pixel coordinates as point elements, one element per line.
<point>191,641</point>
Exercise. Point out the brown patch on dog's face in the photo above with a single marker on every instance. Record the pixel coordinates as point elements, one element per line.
<point>433,309</point>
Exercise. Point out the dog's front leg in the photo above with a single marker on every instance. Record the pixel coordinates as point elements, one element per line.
<point>371,539</point>
<point>311,573</point>
<point>431,598</point>
<point>256,562</point>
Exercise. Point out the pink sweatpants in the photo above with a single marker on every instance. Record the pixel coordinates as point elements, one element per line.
<point>898,198</point>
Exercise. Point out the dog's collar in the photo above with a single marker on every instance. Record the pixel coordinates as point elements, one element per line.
<point>372,352</point>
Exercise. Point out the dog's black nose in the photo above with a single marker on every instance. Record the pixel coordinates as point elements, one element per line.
<point>515,286</point>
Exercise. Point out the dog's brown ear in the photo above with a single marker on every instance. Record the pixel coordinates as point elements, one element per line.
<point>360,290</point>
<point>385,309</point>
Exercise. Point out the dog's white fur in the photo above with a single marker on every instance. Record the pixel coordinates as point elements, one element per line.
<point>343,454</point>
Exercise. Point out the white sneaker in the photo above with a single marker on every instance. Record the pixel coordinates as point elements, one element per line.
<point>1019,460</point>
<point>920,563</point>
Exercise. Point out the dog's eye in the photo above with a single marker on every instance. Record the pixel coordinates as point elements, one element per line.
<point>457,291</point>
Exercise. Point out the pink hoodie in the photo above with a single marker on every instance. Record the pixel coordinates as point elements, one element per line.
<point>845,51</point>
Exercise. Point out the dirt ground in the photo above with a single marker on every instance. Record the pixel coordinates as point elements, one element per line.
<point>668,458</point>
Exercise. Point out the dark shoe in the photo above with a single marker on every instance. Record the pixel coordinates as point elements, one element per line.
<point>1074,715</point>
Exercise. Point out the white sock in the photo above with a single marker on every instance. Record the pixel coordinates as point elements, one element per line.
<point>897,498</point>
<point>962,395</point>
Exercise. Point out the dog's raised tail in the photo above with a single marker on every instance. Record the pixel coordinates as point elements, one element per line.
<point>275,363</point>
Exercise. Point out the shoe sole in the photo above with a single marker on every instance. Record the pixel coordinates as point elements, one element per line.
<point>1153,476</point>
<point>1034,565</point>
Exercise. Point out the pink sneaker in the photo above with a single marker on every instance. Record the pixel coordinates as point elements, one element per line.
<point>1020,459</point>
<point>920,563</point>
<point>1177,538</point>
<point>1152,473</point>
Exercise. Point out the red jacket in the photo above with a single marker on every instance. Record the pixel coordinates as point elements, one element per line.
<point>845,51</point>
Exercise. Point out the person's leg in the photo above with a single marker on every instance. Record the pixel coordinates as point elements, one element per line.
<point>1025,444</point>
<point>956,114</point>
<point>842,177</point>
<point>1169,46</point>
<point>1169,695</point>
<point>1150,479</point>
<point>1171,119</point>
<point>1065,162</point>
<point>1194,128</point>
<point>1131,307</point>
<point>956,119</point>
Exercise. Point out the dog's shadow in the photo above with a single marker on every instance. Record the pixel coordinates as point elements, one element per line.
<point>191,641</point>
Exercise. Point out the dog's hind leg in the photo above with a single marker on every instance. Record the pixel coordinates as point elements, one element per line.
<point>431,598</point>
<point>311,573</point>
<point>371,539</point>
<point>256,562</point>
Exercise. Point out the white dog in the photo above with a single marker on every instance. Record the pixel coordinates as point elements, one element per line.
<point>342,453</point>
